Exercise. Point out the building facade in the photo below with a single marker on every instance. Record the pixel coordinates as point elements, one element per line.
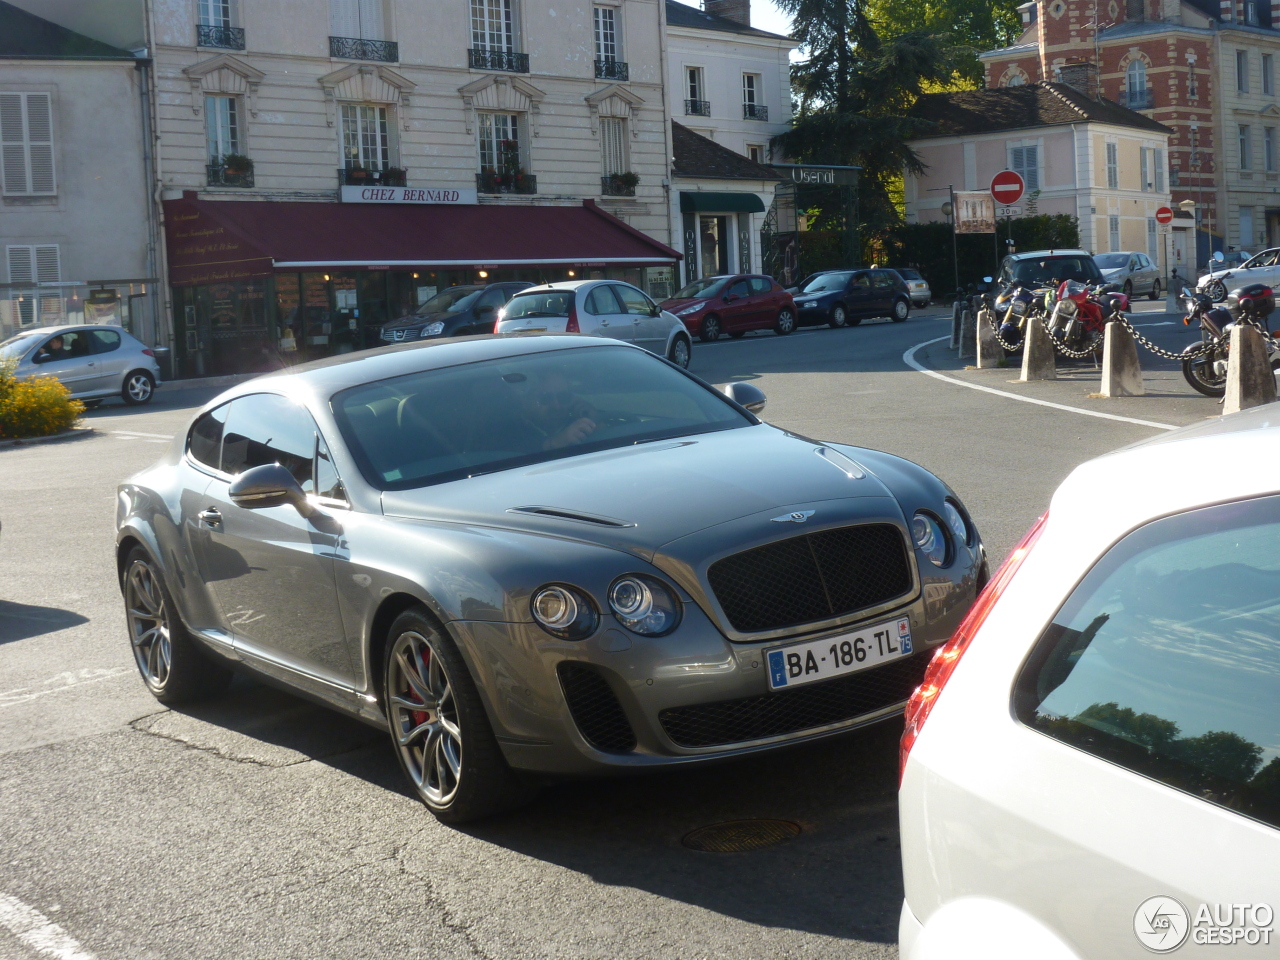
<point>75,225</point>
<point>1092,159</point>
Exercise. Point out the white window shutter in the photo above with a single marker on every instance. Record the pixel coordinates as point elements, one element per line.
<point>613,145</point>
<point>40,143</point>
<point>370,20</point>
<point>344,18</point>
<point>21,265</point>
<point>13,144</point>
<point>48,263</point>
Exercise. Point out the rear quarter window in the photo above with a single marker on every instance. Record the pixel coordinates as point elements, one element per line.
<point>1166,658</point>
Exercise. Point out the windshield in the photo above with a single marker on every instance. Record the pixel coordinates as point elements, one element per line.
<point>544,303</point>
<point>450,300</point>
<point>1111,261</point>
<point>706,287</point>
<point>1267,258</point>
<point>1042,270</point>
<point>827,281</point>
<point>906,273</point>
<point>441,425</point>
<point>16,346</point>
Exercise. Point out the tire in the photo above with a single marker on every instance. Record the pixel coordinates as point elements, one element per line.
<point>1127,289</point>
<point>1155,290</point>
<point>901,310</point>
<point>1217,291</point>
<point>681,352</point>
<point>854,320</point>
<point>1201,380</point>
<point>448,751</point>
<point>785,323</point>
<point>710,330</point>
<point>175,668</point>
<point>139,387</point>
<point>839,317</point>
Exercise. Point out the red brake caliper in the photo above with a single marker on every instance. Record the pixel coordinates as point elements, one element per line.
<point>420,716</point>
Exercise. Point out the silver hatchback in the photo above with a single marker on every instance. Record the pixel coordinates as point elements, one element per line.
<point>93,361</point>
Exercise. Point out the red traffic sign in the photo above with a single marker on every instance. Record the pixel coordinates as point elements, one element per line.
<point>1007,187</point>
<point>1164,215</point>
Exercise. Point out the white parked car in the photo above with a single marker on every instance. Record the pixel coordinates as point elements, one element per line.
<point>1259,268</point>
<point>600,308</point>
<point>1091,769</point>
<point>92,361</point>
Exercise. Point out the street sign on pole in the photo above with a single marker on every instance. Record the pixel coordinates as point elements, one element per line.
<point>975,212</point>
<point>1007,187</point>
<point>1164,215</point>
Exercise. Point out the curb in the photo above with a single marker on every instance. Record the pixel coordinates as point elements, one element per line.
<point>206,382</point>
<point>65,435</point>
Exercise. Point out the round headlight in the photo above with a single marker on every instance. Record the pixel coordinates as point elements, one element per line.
<point>955,521</point>
<point>433,329</point>
<point>644,605</point>
<point>929,538</point>
<point>563,612</point>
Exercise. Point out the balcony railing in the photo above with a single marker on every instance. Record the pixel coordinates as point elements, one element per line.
<point>525,183</point>
<point>354,48</point>
<point>508,60</point>
<point>1140,99</point>
<point>754,111</point>
<point>365,177</point>
<point>615,187</point>
<point>612,70</point>
<point>224,38</point>
<point>217,175</point>
<point>697,108</point>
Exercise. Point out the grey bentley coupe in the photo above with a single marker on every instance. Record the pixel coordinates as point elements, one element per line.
<point>538,556</point>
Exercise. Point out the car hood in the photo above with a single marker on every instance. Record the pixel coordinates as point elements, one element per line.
<point>418,319</point>
<point>1112,273</point>
<point>671,306</point>
<point>638,498</point>
<point>817,295</point>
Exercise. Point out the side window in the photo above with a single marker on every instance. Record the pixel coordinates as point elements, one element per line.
<point>1165,659</point>
<point>739,289</point>
<point>600,302</point>
<point>104,341</point>
<point>882,280</point>
<point>761,285</point>
<point>633,301</point>
<point>265,428</point>
<point>493,297</point>
<point>858,280</point>
<point>328,483</point>
<point>204,443</point>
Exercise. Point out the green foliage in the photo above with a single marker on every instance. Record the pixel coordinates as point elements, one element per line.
<point>976,25</point>
<point>38,407</point>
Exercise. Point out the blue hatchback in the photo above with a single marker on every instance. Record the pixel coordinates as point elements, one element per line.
<point>843,298</point>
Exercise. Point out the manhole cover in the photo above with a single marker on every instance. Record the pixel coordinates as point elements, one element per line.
<point>739,836</point>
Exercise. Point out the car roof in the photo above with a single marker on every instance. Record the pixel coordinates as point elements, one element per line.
<point>1041,254</point>
<point>76,327</point>
<point>569,284</point>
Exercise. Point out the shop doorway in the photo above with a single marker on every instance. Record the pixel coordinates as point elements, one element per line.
<point>713,232</point>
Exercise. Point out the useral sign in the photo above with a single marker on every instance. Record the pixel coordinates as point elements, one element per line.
<point>375,194</point>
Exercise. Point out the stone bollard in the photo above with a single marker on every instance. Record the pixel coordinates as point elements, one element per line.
<point>1037,353</point>
<point>990,353</point>
<point>968,335</point>
<point>1250,382</point>
<point>957,309</point>
<point>1121,371</point>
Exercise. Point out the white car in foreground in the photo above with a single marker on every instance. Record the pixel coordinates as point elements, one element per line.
<point>1091,768</point>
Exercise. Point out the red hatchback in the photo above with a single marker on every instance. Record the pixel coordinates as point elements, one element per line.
<point>733,305</point>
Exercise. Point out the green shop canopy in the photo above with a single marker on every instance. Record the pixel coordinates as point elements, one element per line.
<point>692,200</point>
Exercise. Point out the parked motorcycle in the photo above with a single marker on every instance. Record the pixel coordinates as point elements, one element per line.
<point>1078,318</point>
<point>1012,306</point>
<point>1205,362</point>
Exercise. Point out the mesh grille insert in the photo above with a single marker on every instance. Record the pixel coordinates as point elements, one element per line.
<point>595,709</point>
<point>789,711</point>
<point>816,576</point>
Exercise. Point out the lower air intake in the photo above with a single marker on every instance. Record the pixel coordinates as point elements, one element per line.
<point>595,709</point>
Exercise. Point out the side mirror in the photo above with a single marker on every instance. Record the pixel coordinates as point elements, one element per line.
<point>1217,255</point>
<point>745,395</point>
<point>986,279</point>
<point>268,485</point>
<point>488,310</point>
<point>728,298</point>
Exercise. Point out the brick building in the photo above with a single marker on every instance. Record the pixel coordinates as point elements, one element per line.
<point>1203,68</point>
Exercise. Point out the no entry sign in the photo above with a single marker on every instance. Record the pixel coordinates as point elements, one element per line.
<point>1164,215</point>
<point>1007,187</point>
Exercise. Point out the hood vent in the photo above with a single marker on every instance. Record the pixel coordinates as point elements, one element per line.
<point>560,513</point>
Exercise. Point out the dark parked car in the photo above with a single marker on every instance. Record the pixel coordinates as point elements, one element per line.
<point>454,312</point>
<point>548,555</point>
<point>845,297</point>
<point>1038,268</point>
<point>733,305</point>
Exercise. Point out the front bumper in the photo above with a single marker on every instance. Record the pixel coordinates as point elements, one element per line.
<point>813,314</point>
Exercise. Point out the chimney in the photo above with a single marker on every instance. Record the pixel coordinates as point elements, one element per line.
<point>738,11</point>
<point>1081,75</point>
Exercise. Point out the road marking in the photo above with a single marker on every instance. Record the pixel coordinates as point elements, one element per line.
<point>1162,323</point>
<point>909,358</point>
<point>39,932</point>
<point>62,681</point>
<point>130,434</point>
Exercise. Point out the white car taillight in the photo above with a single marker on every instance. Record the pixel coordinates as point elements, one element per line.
<point>948,655</point>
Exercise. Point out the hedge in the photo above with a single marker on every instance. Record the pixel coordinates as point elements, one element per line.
<point>39,407</point>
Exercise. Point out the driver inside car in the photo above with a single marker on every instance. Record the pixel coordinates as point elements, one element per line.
<point>562,417</point>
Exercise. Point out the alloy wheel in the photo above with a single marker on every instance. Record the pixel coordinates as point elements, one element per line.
<point>900,311</point>
<point>424,718</point>
<point>680,353</point>
<point>786,321</point>
<point>139,388</point>
<point>838,316</point>
<point>148,625</point>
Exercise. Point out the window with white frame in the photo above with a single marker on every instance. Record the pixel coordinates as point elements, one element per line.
<point>359,19</point>
<point>221,127</point>
<point>606,27</point>
<point>1251,12</point>
<point>1025,160</point>
<point>26,144</point>
<point>755,153</point>
<point>29,265</point>
<point>214,13</point>
<point>1113,165</point>
<point>1242,71</point>
<point>1136,81</point>
<point>750,89</point>
<point>613,145</point>
<point>493,25</point>
<point>1244,138</point>
<point>500,148</point>
<point>1269,149</point>
<point>1113,233</point>
<point>1268,75</point>
<point>693,83</point>
<point>1157,167</point>
<point>366,136</point>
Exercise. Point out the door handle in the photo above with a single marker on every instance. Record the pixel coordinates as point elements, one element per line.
<point>90,363</point>
<point>210,517</point>
<point>604,323</point>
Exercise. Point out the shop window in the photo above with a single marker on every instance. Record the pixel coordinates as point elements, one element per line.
<point>366,136</point>
<point>221,127</point>
<point>493,25</point>
<point>26,144</point>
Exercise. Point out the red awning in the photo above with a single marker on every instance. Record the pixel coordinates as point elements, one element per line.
<point>217,240</point>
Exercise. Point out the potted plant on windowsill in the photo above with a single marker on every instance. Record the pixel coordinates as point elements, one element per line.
<point>623,184</point>
<point>394,176</point>
<point>237,170</point>
<point>357,174</point>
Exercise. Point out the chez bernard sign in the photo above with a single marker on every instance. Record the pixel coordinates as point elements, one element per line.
<point>434,195</point>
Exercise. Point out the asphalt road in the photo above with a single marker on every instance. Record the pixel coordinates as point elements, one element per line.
<point>261,826</point>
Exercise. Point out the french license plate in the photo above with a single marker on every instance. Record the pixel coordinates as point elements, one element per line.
<point>835,656</point>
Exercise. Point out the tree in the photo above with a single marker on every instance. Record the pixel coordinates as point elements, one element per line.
<point>975,24</point>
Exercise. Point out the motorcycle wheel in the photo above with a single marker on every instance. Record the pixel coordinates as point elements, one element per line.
<point>1217,291</point>
<point>1200,375</point>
